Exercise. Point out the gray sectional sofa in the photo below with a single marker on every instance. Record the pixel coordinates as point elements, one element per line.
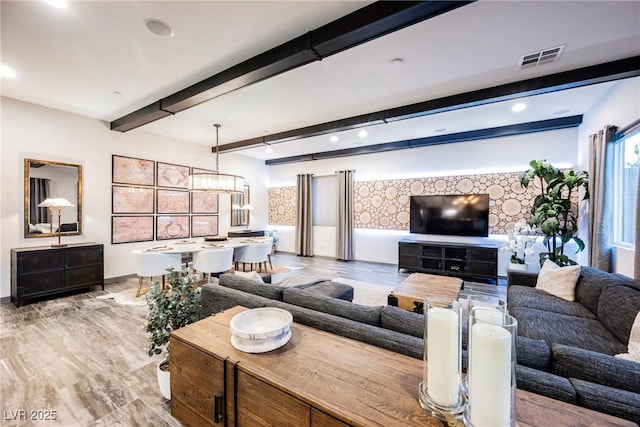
<point>324,305</point>
<point>550,368</point>
<point>567,349</point>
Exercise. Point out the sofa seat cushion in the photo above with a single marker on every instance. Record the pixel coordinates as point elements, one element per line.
<point>593,281</point>
<point>544,383</point>
<point>612,401</point>
<point>617,310</point>
<point>384,338</point>
<point>266,290</point>
<point>330,289</point>
<point>398,319</point>
<point>525,296</point>
<point>571,362</point>
<point>337,307</point>
<point>569,330</point>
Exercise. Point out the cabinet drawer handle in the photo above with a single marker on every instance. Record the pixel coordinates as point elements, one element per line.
<point>217,411</point>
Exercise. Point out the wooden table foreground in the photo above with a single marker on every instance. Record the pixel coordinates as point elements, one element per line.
<point>316,379</point>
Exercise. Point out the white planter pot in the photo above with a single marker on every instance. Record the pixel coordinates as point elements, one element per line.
<point>164,382</point>
<point>515,266</point>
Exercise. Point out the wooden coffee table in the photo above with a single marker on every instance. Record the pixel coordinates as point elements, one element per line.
<point>411,293</point>
<point>316,379</point>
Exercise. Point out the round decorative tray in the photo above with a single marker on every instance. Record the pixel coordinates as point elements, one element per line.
<point>259,323</point>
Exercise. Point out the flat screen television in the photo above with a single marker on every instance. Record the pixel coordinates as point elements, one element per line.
<point>453,215</point>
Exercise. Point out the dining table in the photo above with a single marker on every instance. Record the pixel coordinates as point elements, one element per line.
<point>187,246</point>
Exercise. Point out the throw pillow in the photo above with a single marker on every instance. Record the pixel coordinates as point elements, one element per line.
<point>251,275</point>
<point>634,342</point>
<point>558,281</point>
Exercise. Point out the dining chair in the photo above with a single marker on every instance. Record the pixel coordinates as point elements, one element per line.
<point>253,254</point>
<point>154,264</point>
<point>213,261</point>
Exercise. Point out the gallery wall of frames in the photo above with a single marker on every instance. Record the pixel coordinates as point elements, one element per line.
<point>150,201</point>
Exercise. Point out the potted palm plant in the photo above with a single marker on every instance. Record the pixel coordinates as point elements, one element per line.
<point>552,211</point>
<point>169,310</point>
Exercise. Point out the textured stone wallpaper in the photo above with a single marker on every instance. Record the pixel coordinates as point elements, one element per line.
<point>384,204</point>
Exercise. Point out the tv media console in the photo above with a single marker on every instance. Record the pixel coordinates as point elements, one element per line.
<point>464,260</point>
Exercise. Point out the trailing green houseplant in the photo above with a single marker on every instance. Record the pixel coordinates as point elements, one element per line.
<point>552,211</point>
<point>169,310</point>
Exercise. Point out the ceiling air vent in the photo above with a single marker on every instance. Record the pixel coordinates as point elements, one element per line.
<point>546,56</point>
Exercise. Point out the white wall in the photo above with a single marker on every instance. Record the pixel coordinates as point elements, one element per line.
<point>491,155</point>
<point>38,132</point>
<point>619,107</point>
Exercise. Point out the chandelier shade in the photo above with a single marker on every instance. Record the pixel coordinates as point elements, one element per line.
<point>216,182</point>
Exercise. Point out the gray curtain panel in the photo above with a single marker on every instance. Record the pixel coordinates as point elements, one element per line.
<point>38,192</point>
<point>636,264</point>
<point>304,220</point>
<point>601,159</point>
<point>344,229</point>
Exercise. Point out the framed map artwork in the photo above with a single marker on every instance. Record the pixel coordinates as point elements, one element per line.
<point>204,225</point>
<point>172,227</point>
<point>204,203</point>
<point>172,201</point>
<point>132,200</point>
<point>128,170</point>
<point>127,229</point>
<point>174,176</point>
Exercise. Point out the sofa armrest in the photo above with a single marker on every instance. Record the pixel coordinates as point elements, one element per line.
<point>594,367</point>
<point>522,278</point>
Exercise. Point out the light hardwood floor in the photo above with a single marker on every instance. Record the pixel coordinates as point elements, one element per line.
<point>84,357</point>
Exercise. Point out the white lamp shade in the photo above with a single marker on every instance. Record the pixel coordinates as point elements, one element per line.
<point>47,203</point>
<point>62,202</point>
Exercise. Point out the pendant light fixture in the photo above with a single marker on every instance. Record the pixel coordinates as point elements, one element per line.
<point>216,182</point>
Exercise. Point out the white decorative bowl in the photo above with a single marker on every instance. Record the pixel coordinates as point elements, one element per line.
<point>260,345</point>
<point>260,323</point>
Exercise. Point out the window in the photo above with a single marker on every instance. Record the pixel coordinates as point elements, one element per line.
<point>325,196</point>
<point>627,168</point>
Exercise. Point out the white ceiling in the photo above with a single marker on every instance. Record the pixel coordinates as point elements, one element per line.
<point>75,59</point>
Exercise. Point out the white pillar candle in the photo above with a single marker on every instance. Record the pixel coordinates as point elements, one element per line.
<point>490,380</point>
<point>489,315</point>
<point>442,356</point>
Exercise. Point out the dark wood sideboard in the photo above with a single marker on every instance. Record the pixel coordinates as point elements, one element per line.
<point>46,271</point>
<point>317,379</point>
<point>464,260</point>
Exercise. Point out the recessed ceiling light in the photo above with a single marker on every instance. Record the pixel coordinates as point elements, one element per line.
<point>518,107</point>
<point>334,139</point>
<point>440,130</point>
<point>363,133</point>
<point>60,4</point>
<point>565,111</point>
<point>7,72</point>
<point>396,62</point>
<point>158,27</point>
<point>269,149</point>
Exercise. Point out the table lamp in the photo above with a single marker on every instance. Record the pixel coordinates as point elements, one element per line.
<point>60,203</point>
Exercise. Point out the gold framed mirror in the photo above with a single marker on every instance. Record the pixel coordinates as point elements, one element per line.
<point>240,208</point>
<point>45,179</point>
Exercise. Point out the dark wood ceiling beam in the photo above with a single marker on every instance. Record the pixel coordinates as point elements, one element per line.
<point>600,73</point>
<point>365,24</point>
<point>496,132</point>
